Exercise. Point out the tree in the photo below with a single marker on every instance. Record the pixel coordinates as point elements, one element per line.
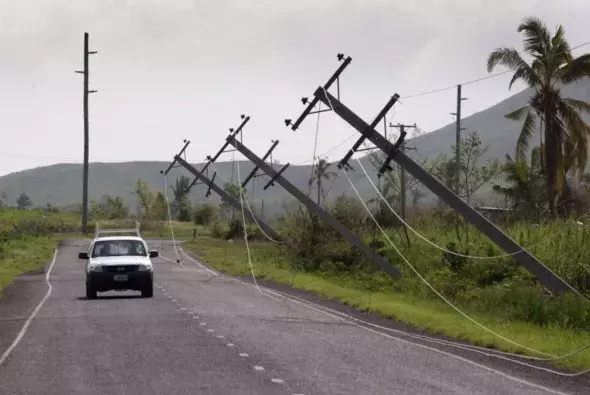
<point>145,196</point>
<point>180,189</point>
<point>160,207</point>
<point>23,201</point>
<point>321,172</point>
<point>563,132</point>
<point>97,211</point>
<point>205,214</point>
<point>232,190</point>
<point>473,174</point>
<point>524,187</point>
<point>417,195</point>
<point>382,213</point>
<point>2,198</point>
<point>116,208</point>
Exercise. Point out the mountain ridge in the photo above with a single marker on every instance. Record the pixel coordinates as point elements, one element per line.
<point>60,184</point>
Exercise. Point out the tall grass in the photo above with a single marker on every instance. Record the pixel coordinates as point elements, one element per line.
<point>499,286</point>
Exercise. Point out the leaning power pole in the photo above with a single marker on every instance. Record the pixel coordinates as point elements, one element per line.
<point>458,140</point>
<point>543,274</point>
<point>86,91</point>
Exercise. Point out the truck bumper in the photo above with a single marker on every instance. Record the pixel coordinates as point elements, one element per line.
<point>133,281</point>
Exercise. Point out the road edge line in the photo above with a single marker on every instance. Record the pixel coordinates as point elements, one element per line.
<point>23,330</point>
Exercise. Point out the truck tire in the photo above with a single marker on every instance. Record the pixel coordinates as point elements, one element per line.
<point>90,291</point>
<point>148,291</point>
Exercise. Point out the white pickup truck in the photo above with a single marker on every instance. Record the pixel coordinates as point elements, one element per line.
<point>119,263</point>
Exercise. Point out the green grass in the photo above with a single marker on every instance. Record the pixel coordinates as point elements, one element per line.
<point>427,314</point>
<point>21,256</point>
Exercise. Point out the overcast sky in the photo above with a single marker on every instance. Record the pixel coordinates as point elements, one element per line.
<point>174,69</point>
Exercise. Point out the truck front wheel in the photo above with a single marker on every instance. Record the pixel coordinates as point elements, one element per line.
<point>90,291</point>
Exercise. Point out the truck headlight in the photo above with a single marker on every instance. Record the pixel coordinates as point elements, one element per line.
<point>95,268</point>
<point>144,268</point>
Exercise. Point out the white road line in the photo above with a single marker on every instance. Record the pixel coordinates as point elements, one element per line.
<point>174,300</point>
<point>183,309</point>
<point>243,354</point>
<point>277,381</point>
<point>22,332</point>
<point>352,320</point>
<point>231,345</point>
<point>203,324</point>
<point>220,336</point>
<point>210,330</point>
<point>258,368</point>
<point>199,263</point>
<point>168,259</point>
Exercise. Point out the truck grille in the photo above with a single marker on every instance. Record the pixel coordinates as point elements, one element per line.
<point>120,268</point>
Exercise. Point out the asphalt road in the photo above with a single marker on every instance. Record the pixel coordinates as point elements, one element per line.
<point>206,334</point>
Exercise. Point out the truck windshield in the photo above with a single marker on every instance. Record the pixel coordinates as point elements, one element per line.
<point>118,248</point>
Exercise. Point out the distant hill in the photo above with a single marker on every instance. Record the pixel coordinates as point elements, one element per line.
<point>60,184</point>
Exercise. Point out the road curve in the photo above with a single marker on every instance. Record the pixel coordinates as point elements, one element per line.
<point>206,334</point>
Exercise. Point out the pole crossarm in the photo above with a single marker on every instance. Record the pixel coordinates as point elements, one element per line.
<point>545,276</point>
<point>399,144</point>
<point>321,213</point>
<point>186,144</point>
<point>208,193</point>
<point>311,105</point>
<point>212,159</point>
<point>378,118</point>
<point>274,178</point>
<point>226,197</point>
<point>255,169</point>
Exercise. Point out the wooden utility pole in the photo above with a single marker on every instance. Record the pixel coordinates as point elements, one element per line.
<point>86,91</point>
<point>458,140</point>
<point>402,176</point>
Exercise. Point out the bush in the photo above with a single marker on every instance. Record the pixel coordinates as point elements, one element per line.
<point>184,212</point>
<point>205,214</point>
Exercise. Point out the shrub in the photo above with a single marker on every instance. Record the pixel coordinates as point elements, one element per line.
<point>205,214</point>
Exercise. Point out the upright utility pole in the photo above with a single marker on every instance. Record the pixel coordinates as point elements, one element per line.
<point>86,91</point>
<point>458,140</point>
<point>402,129</point>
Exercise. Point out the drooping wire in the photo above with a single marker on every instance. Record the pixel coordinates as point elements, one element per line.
<point>448,302</point>
<point>487,77</point>
<point>552,357</point>
<point>483,257</point>
<point>170,219</point>
<point>254,215</point>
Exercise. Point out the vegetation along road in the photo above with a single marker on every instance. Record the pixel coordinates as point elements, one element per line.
<point>235,312</point>
<point>210,333</point>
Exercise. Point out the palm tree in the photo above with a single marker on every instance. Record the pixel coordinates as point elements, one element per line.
<point>180,191</point>
<point>320,172</point>
<point>524,187</point>
<point>565,134</point>
<point>381,212</point>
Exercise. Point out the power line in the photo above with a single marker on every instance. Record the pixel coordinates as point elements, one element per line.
<point>487,77</point>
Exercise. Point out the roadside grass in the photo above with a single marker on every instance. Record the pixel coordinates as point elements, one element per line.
<point>24,255</point>
<point>426,314</point>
